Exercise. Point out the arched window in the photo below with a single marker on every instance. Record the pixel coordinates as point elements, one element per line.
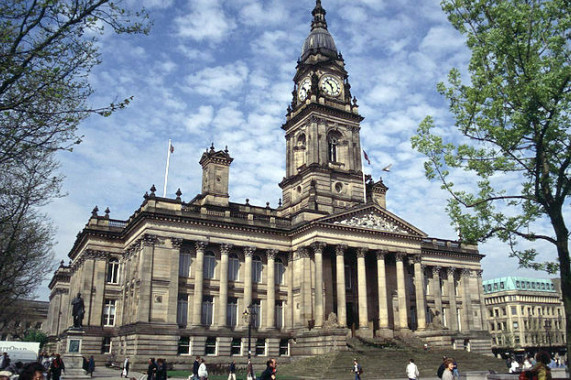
<point>257,269</point>
<point>333,139</point>
<point>209,265</point>
<point>233,267</point>
<point>113,271</point>
<point>279,272</point>
<point>301,141</point>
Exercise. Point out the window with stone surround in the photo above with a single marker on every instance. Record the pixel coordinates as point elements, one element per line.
<point>233,267</point>
<point>210,347</point>
<point>260,347</point>
<point>279,272</point>
<point>207,310</point>
<point>106,345</point>
<point>284,347</point>
<point>232,312</point>
<point>236,346</point>
<point>279,314</point>
<point>109,313</point>
<point>182,310</point>
<point>184,265</point>
<point>184,345</point>
<point>113,271</point>
<point>257,269</point>
<point>209,265</point>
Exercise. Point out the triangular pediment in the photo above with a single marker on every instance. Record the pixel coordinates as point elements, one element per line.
<point>372,217</point>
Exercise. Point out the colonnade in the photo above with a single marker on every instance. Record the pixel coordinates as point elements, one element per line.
<point>311,300</point>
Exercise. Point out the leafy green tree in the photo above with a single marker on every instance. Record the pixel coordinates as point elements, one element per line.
<point>47,50</point>
<point>34,335</point>
<point>512,121</point>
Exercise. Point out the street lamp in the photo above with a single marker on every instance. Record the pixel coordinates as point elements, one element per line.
<point>249,316</point>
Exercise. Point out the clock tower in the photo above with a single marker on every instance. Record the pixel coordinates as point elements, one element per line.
<point>323,163</point>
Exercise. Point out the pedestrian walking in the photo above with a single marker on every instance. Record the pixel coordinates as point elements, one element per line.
<point>250,374</point>
<point>57,367</point>
<point>151,369</point>
<point>232,371</point>
<point>268,373</point>
<point>448,368</point>
<point>202,371</point>
<point>412,370</point>
<point>195,367</point>
<point>357,369</point>
<point>91,366</point>
<point>125,371</point>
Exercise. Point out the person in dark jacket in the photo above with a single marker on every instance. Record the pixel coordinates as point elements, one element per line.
<point>91,366</point>
<point>268,373</point>
<point>57,367</point>
<point>151,369</point>
<point>442,367</point>
<point>161,369</point>
<point>195,367</point>
<point>232,371</point>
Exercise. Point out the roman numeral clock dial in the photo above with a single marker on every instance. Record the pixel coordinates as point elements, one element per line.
<point>330,85</point>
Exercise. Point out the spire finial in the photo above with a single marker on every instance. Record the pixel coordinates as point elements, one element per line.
<point>318,16</point>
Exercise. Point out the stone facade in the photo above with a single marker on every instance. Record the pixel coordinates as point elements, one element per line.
<point>525,314</point>
<point>175,278</point>
<point>24,315</point>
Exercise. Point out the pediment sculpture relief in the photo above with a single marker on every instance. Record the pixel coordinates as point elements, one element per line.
<point>373,221</point>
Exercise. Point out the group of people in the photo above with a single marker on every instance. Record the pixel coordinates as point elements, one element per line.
<point>157,370</point>
<point>541,364</point>
<point>200,372</point>
<point>52,365</point>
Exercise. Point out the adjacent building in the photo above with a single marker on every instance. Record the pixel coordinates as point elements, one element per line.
<point>23,316</point>
<point>524,314</point>
<point>182,278</point>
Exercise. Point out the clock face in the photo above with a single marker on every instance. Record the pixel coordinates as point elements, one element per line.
<point>304,88</point>
<point>330,85</point>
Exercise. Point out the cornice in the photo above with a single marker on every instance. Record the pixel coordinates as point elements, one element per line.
<point>324,109</point>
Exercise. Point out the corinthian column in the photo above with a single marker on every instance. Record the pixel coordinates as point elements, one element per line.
<point>436,289</point>
<point>401,290</point>
<point>290,311</point>
<point>248,253</point>
<point>420,297</point>
<point>271,286</point>
<point>362,289</point>
<point>223,299</point>
<point>318,256</point>
<point>452,299</point>
<point>382,287</point>
<point>466,300</point>
<point>340,277</point>
<point>198,279</point>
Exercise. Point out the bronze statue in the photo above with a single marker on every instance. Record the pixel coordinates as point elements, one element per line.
<point>78,310</point>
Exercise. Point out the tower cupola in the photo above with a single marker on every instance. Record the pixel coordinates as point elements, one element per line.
<point>319,39</point>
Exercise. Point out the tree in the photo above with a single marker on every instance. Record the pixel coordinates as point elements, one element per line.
<point>513,124</point>
<point>34,335</point>
<point>47,50</point>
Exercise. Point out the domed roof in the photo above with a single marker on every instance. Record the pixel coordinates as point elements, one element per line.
<point>319,39</point>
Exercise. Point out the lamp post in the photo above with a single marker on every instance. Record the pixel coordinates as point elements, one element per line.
<point>249,315</point>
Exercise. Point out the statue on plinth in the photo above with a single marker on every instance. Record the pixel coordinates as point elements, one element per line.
<point>436,323</point>
<point>78,311</point>
<point>331,321</point>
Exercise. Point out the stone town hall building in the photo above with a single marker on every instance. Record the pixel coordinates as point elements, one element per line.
<point>175,278</point>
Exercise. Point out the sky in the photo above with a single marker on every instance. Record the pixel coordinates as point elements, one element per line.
<point>220,71</point>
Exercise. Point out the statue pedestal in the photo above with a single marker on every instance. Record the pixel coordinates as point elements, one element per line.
<point>72,359</point>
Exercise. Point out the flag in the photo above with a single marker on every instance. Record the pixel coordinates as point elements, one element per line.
<point>366,157</point>
<point>172,148</point>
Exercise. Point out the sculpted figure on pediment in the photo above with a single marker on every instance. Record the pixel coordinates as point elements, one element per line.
<point>373,221</point>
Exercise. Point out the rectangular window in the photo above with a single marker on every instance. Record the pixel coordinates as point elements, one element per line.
<point>113,271</point>
<point>232,312</point>
<point>279,315</point>
<point>184,265</point>
<point>284,347</point>
<point>236,346</point>
<point>182,310</point>
<point>106,345</point>
<point>109,313</point>
<point>260,347</point>
<point>257,270</point>
<point>256,313</point>
<point>233,268</point>
<point>209,265</point>
<point>515,325</point>
<point>514,310</point>
<point>184,345</point>
<point>279,272</point>
<point>210,348</point>
<point>207,309</point>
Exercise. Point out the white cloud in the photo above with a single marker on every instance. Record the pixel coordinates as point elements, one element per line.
<point>218,81</point>
<point>205,21</point>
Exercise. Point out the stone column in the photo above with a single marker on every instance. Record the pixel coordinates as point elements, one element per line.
<point>319,305</point>
<point>401,290</point>
<point>436,290</point>
<point>452,299</point>
<point>223,299</point>
<point>305,302</point>
<point>362,289</point>
<point>419,292</point>
<point>248,253</point>
<point>340,277</point>
<point>290,307</point>
<point>146,272</point>
<point>198,280</point>
<point>271,286</point>
<point>483,311</point>
<point>173,285</point>
<point>382,287</point>
<point>466,300</point>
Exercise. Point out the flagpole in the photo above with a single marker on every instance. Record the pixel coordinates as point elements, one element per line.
<point>167,169</point>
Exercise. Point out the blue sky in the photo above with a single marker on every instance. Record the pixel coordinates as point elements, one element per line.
<point>221,71</point>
